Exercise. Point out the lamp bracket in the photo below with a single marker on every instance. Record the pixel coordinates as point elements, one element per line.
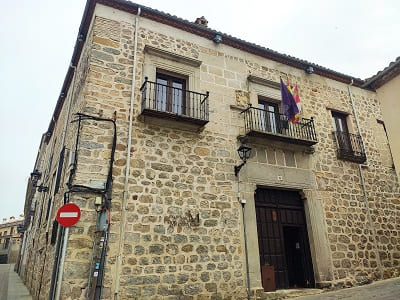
<point>237,168</point>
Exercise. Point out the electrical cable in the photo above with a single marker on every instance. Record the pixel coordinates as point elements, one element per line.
<point>106,192</point>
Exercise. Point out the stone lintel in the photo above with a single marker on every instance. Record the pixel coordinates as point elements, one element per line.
<point>338,110</point>
<point>263,81</point>
<point>275,176</point>
<point>172,56</point>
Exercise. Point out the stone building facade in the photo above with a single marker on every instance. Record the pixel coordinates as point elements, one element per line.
<point>163,215</point>
<point>10,239</point>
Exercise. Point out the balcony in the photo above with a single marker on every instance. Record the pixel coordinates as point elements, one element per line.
<point>350,147</point>
<point>273,125</point>
<point>163,101</point>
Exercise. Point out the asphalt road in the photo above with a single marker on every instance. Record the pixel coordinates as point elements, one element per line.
<point>381,290</point>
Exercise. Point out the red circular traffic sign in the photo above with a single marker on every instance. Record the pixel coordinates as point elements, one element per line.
<point>68,214</point>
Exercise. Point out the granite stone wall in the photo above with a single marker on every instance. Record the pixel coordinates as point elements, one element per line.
<point>183,235</point>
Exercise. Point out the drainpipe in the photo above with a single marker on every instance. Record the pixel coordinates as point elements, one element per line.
<point>360,168</point>
<point>243,203</point>
<point>128,162</point>
<point>357,123</point>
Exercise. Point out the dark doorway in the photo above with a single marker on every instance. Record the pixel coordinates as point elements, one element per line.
<point>294,251</point>
<point>282,237</point>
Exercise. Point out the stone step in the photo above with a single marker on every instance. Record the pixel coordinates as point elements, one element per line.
<point>289,293</point>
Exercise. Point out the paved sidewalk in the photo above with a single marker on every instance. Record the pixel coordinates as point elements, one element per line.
<point>11,286</point>
<point>381,290</point>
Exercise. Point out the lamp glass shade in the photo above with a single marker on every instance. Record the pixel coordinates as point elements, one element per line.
<point>35,176</point>
<point>244,152</point>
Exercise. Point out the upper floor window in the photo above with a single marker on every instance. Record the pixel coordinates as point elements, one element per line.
<point>340,122</point>
<point>349,145</point>
<point>269,120</point>
<point>342,131</point>
<point>171,89</point>
<point>383,145</point>
<point>170,94</point>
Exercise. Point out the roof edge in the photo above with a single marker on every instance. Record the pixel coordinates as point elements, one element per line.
<point>80,41</point>
<point>370,83</point>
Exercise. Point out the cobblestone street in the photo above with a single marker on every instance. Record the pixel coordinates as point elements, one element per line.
<point>383,290</point>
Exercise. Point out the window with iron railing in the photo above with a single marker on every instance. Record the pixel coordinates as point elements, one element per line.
<point>169,98</point>
<point>349,146</point>
<point>270,123</point>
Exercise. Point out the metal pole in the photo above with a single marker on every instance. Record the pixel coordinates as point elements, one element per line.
<point>56,260</point>
<point>247,254</point>
<point>364,188</point>
<point>128,161</point>
<point>61,266</point>
<point>243,202</point>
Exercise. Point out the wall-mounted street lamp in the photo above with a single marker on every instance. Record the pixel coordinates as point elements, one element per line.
<point>35,176</point>
<point>244,152</point>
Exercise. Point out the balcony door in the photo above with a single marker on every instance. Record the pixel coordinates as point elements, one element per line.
<point>170,94</point>
<point>269,116</point>
<point>342,131</point>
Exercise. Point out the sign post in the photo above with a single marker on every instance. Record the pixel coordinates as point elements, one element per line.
<point>68,214</point>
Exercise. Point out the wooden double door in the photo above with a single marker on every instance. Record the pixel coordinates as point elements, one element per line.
<point>282,237</point>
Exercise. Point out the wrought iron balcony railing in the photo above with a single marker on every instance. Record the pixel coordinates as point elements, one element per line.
<point>174,103</point>
<point>260,122</point>
<point>350,147</point>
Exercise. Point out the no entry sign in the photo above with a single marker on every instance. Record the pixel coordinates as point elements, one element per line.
<point>68,214</point>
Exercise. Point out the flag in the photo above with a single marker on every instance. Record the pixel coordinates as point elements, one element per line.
<point>290,108</point>
<point>296,97</point>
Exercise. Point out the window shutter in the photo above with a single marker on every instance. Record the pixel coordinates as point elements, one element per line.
<point>48,208</point>
<point>59,171</point>
<point>54,233</point>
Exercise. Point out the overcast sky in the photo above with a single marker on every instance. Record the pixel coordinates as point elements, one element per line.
<point>357,38</point>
